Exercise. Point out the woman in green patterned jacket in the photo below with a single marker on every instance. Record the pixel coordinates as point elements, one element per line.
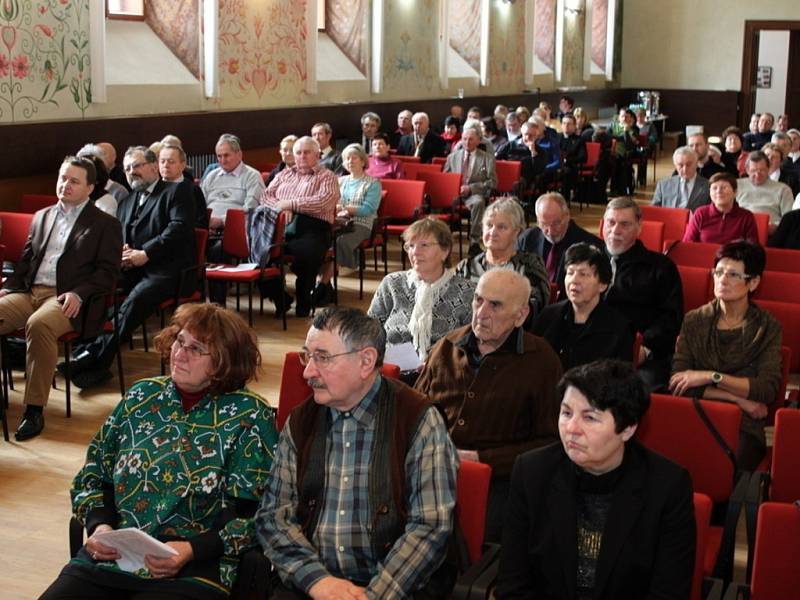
<point>183,458</point>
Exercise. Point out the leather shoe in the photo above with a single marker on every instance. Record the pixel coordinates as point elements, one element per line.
<point>90,379</point>
<point>30,426</point>
<point>77,364</point>
<point>287,304</point>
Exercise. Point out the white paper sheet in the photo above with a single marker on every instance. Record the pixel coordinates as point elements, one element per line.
<point>403,355</point>
<point>237,268</point>
<point>133,544</point>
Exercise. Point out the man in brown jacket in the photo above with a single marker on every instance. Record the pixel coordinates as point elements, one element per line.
<point>496,384</point>
<point>72,255</point>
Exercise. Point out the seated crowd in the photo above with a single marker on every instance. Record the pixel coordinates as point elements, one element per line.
<point>535,355</point>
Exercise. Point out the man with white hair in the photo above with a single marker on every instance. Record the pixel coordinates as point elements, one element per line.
<point>478,180</point>
<point>686,189</point>
<point>422,141</point>
<point>310,193</point>
<point>475,375</point>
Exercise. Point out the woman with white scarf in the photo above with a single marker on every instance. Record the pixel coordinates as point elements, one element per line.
<point>418,306</point>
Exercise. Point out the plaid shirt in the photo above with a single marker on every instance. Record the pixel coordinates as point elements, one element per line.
<point>341,544</point>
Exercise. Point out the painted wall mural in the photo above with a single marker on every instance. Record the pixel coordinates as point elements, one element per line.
<point>410,64</point>
<point>262,51</point>
<point>44,59</point>
<point>544,32</point>
<point>177,23</point>
<point>346,25</point>
<point>507,47</point>
<point>464,21</point>
<point>599,32</point>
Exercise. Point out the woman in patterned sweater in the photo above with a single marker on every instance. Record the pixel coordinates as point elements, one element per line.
<point>182,458</point>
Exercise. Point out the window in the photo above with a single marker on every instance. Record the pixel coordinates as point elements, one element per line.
<point>125,9</point>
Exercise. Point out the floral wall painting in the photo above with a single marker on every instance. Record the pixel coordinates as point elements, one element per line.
<point>44,57</point>
<point>410,63</point>
<point>262,50</point>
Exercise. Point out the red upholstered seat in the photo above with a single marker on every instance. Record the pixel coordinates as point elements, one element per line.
<point>691,254</point>
<point>698,287</point>
<point>674,219</point>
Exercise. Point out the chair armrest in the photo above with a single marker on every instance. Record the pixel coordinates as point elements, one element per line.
<point>476,581</point>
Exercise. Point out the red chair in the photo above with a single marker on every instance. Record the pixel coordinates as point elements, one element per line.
<point>698,287</point>
<point>234,243</point>
<point>442,192</point>
<point>691,254</point>
<point>30,203</point>
<point>406,159</point>
<point>402,206</point>
<point>674,428</point>
<point>508,174</point>
<point>780,259</point>
<point>674,219</point>
<point>586,173</point>
<point>789,316</point>
<point>762,227</point>
<point>294,388</point>
<point>651,235</point>
<point>377,239</point>
<point>15,228</point>
<point>412,169</point>
<point>779,286</point>
<point>439,160</point>
<point>702,519</point>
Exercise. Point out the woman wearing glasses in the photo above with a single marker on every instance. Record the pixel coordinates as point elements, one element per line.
<point>730,349</point>
<point>422,304</point>
<point>183,458</point>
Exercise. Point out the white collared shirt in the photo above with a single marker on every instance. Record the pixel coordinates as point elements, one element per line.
<point>64,220</point>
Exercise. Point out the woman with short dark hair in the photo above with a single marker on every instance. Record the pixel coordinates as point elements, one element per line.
<point>723,220</point>
<point>598,515</point>
<point>184,459</point>
<point>730,349</point>
<point>583,328</point>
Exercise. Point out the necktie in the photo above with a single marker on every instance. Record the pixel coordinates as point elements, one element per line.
<point>465,169</point>
<point>685,193</point>
<point>613,270</point>
<point>551,264</point>
<point>418,143</point>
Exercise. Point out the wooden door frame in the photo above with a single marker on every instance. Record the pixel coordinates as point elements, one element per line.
<point>750,62</point>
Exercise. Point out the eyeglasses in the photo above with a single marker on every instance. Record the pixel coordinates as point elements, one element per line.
<point>409,246</point>
<point>735,275</point>
<point>321,359</point>
<point>134,166</point>
<point>192,350</point>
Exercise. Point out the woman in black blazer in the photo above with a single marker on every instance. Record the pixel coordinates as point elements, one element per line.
<point>598,516</point>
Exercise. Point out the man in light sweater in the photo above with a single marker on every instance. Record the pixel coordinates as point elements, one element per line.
<point>760,194</point>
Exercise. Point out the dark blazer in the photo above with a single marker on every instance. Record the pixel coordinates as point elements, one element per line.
<point>89,264</point>
<point>533,240</point>
<point>199,199</point>
<point>710,168</point>
<point>163,227</point>
<point>648,544</point>
<point>606,334</point>
<point>432,145</point>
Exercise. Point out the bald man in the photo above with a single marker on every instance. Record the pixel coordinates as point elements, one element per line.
<point>473,374</point>
<point>115,172</point>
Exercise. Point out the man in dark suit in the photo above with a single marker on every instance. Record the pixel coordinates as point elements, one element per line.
<point>70,259</point>
<point>706,167</point>
<point>157,225</point>
<point>422,141</point>
<point>556,231</point>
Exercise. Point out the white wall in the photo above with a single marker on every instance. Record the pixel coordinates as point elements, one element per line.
<point>691,44</point>
<point>773,51</point>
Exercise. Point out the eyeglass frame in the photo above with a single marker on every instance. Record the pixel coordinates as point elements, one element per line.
<point>306,357</point>
<point>718,274</point>
<point>190,350</point>
<point>409,246</point>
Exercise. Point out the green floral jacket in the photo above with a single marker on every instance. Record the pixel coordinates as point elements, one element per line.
<point>172,473</point>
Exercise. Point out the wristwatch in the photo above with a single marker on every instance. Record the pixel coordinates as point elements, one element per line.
<point>716,378</point>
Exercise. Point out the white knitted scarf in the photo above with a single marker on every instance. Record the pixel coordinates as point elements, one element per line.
<point>425,298</point>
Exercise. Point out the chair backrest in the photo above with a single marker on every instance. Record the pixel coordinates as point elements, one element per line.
<point>472,493</point>
<point>779,286</point>
<point>593,150</point>
<point>785,483</point>
<point>403,199</point>
<point>14,233</point>
<point>508,173</point>
<point>439,160</point>
<point>781,259</point>
<point>201,241</point>
<point>673,427</point>
<point>775,572</point>
<point>762,227</point>
<point>674,219</point>
<point>30,203</point>
<point>780,400</point>
<point>702,519</point>
<point>234,237</point>
<point>698,287</point>
<point>691,254</point>
<point>411,170</point>
<point>651,235</point>
<point>789,316</point>
<point>406,159</point>
<point>442,188</point>
<point>294,388</point>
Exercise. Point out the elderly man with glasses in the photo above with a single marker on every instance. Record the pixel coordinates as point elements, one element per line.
<point>334,473</point>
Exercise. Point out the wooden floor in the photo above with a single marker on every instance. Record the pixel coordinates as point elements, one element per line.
<point>35,476</point>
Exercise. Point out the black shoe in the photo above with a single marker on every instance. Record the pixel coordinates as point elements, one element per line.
<point>77,364</point>
<point>90,379</point>
<point>31,425</point>
<point>302,311</point>
<point>287,304</point>
<point>322,295</point>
